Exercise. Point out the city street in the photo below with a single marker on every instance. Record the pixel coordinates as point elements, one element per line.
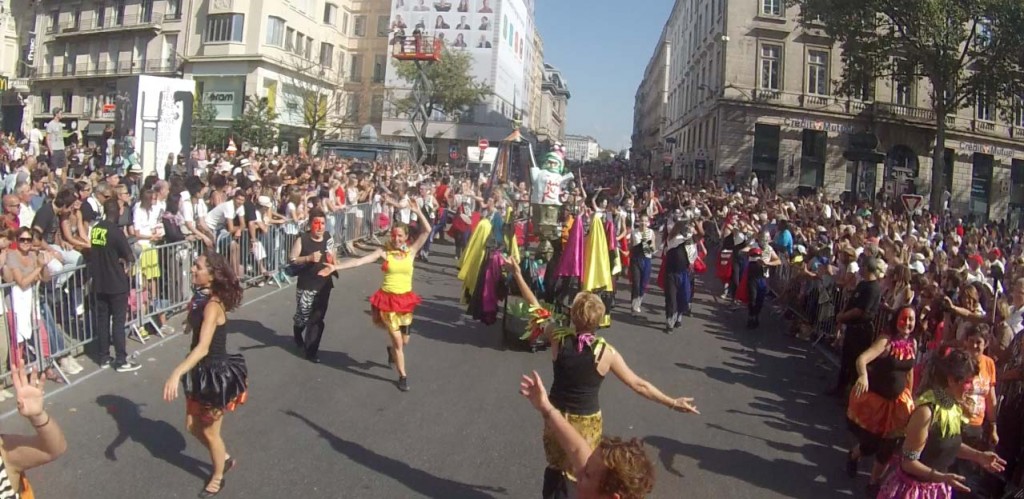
<point>342,429</point>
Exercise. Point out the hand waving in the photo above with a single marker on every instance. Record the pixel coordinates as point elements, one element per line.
<point>28,389</point>
<point>685,405</point>
<point>533,389</point>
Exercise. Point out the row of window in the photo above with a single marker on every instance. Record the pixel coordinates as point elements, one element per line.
<point>770,71</point>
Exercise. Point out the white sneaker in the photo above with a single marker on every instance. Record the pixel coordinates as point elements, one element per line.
<point>74,363</point>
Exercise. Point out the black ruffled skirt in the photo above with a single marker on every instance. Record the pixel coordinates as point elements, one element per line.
<point>218,382</point>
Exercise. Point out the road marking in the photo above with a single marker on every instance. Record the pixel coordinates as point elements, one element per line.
<point>137,353</point>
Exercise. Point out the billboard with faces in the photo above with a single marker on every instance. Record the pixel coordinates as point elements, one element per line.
<point>467,25</point>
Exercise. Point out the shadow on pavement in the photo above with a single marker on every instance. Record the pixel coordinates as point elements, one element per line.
<point>416,480</point>
<point>438,322</point>
<point>161,439</point>
<point>336,360</point>
<point>788,478</point>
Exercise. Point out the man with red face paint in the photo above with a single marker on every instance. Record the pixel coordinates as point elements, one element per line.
<point>312,256</point>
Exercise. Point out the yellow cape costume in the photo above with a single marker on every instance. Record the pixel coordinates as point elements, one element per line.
<point>473,257</point>
<point>597,270</point>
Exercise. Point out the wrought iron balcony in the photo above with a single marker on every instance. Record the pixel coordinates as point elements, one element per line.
<point>92,24</point>
<point>104,69</point>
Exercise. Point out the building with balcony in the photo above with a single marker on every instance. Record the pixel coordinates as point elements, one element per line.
<point>367,24</point>
<point>650,151</point>
<point>289,52</point>
<point>16,50</point>
<point>750,93</point>
<point>581,148</point>
<point>554,105</point>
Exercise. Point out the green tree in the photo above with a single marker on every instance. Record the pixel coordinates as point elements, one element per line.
<point>204,131</point>
<point>452,90</point>
<point>606,156</point>
<point>967,51</point>
<point>257,125</point>
<point>318,93</point>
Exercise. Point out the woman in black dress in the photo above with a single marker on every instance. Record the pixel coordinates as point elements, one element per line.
<point>213,381</point>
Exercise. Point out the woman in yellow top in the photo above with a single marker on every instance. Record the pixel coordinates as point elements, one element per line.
<point>393,304</point>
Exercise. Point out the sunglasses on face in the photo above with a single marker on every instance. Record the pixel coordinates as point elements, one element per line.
<point>27,240</point>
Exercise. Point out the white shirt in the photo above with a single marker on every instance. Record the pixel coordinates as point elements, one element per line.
<point>26,215</point>
<point>217,218</point>
<point>1016,320</point>
<point>146,221</point>
<point>191,211</point>
<point>404,212</point>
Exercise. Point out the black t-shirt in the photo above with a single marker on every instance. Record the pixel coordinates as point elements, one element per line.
<point>250,212</point>
<point>109,249</point>
<point>308,278</point>
<point>89,215</point>
<point>867,296</point>
<point>46,221</point>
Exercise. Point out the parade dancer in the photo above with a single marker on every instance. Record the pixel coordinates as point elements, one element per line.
<point>393,304</point>
<point>310,255</point>
<point>214,382</point>
<point>641,251</point>
<point>881,401</point>
<point>581,361</point>
<point>934,435</point>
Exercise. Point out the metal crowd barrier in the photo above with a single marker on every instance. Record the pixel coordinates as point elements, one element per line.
<point>54,319</point>
<point>815,303</point>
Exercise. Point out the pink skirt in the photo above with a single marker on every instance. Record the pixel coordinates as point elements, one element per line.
<point>900,485</point>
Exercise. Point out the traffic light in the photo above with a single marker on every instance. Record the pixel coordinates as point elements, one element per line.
<point>862,147</point>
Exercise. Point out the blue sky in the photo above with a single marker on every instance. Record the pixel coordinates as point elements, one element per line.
<point>602,48</point>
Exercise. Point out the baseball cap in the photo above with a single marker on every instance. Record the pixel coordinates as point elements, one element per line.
<point>917,267</point>
<point>264,201</point>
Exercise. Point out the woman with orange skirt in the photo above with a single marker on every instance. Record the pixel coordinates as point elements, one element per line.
<point>393,304</point>
<point>881,401</point>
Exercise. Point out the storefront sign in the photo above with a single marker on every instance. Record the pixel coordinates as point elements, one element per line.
<point>219,97</point>
<point>986,149</point>
<point>821,126</point>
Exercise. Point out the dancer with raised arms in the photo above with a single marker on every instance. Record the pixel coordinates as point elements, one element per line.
<point>392,306</point>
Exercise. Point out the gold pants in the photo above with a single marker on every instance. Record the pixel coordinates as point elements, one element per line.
<point>590,427</point>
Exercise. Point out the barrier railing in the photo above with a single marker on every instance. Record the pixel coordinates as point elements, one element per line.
<point>53,319</point>
<point>815,302</point>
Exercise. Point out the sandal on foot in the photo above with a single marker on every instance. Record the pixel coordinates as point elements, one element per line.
<point>205,493</point>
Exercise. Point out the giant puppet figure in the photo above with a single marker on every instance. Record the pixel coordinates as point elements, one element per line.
<point>546,199</point>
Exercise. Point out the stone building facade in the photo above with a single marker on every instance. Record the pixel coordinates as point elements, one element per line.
<point>750,91</point>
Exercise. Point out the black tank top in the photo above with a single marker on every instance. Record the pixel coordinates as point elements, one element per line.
<point>887,376</point>
<point>577,385</point>
<point>308,278</point>
<point>219,343</point>
<point>940,453</point>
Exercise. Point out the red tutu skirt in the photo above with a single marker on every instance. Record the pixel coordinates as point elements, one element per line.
<point>404,303</point>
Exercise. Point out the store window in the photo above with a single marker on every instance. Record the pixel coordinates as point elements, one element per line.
<point>981,186</point>
<point>766,153</point>
<point>948,165</point>
<point>812,159</point>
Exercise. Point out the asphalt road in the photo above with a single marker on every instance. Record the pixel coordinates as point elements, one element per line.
<point>342,429</point>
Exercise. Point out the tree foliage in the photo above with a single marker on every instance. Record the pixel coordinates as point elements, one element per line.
<point>963,49</point>
<point>318,99</point>
<point>204,131</point>
<point>257,124</point>
<point>452,89</point>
